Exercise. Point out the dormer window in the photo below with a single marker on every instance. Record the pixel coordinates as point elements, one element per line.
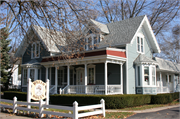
<point>35,50</point>
<point>140,44</point>
<point>91,42</point>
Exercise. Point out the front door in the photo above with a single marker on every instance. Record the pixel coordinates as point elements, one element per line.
<point>80,76</point>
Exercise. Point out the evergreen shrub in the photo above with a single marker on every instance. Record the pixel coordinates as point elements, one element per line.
<point>111,101</point>
<point>21,96</point>
<point>162,98</point>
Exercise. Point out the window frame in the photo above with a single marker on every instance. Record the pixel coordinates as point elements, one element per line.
<point>23,80</point>
<point>140,44</point>
<point>88,67</point>
<point>153,75</point>
<point>35,49</point>
<point>92,36</point>
<point>60,68</point>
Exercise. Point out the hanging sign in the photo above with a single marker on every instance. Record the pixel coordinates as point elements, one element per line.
<point>38,90</point>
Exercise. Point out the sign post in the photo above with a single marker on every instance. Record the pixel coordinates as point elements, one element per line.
<point>38,90</point>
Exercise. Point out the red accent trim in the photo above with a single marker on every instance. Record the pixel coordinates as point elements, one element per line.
<point>116,53</point>
<point>88,54</point>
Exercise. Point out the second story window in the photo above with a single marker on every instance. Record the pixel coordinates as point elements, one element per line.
<point>140,44</point>
<point>91,42</point>
<point>35,50</point>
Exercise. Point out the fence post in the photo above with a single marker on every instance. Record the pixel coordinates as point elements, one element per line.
<point>60,91</point>
<point>40,108</point>
<point>47,92</point>
<point>14,105</point>
<point>75,110</point>
<point>103,107</point>
<point>29,93</point>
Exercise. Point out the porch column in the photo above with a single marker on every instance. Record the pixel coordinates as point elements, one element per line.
<point>56,79</point>
<point>174,86</point>
<point>105,77</point>
<point>121,79</point>
<point>28,74</point>
<point>68,75</point>
<point>160,76</point>
<point>168,82</point>
<point>47,72</point>
<point>85,77</point>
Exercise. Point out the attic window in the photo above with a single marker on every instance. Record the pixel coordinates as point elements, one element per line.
<point>140,44</point>
<point>91,42</point>
<point>35,50</point>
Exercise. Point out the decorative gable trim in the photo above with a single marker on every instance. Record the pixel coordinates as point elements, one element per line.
<point>145,20</point>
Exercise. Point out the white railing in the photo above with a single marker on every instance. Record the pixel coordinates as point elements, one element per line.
<point>41,111</point>
<point>52,90</point>
<point>163,90</point>
<point>91,89</point>
<point>114,89</point>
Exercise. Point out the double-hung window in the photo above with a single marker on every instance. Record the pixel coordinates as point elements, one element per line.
<point>25,77</point>
<point>91,74</point>
<point>91,42</point>
<point>35,50</point>
<point>140,44</point>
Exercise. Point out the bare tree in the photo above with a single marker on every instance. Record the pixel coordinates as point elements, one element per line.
<point>170,46</point>
<point>64,16</point>
<point>159,12</point>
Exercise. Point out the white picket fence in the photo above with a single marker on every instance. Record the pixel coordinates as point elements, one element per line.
<point>41,111</point>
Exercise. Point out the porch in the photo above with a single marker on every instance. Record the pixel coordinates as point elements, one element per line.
<point>91,89</point>
<point>93,75</point>
<point>167,82</point>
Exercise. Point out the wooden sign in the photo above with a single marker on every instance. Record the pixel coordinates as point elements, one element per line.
<point>38,90</point>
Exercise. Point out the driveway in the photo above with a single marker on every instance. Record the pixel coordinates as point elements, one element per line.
<point>167,113</point>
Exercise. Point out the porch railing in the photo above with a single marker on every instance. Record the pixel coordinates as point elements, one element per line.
<point>91,89</point>
<point>163,89</point>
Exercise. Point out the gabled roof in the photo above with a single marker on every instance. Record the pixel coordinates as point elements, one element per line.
<point>103,27</point>
<point>123,32</point>
<point>165,65</point>
<point>49,38</point>
<point>144,59</point>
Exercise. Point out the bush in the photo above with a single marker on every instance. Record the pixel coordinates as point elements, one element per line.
<point>111,101</point>
<point>22,96</point>
<point>162,98</point>
<point>175,95</point>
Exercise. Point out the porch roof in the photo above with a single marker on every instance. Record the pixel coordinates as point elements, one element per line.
<point>165,65</point>
<point>105,53</point>
<point>144,59</point>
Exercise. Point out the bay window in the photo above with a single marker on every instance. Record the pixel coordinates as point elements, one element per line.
<point>146,75</point>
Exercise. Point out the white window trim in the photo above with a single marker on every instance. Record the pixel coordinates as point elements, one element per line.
<point>71,68</point>
<point>91,66</point>
<point>35,55</point>
<point>154,74</point>
<point>61,68</point>
<point>92,37</point>
<point>140,36</point>
<point>26,77</point>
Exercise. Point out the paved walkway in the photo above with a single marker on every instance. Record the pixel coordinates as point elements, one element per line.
<point>147,110</point>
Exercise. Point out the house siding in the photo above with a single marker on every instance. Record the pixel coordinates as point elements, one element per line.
<point>27,55</point>
<point>113,74</point>
<point>132,55</point>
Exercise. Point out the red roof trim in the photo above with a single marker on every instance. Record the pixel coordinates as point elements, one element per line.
<point>88,54</point>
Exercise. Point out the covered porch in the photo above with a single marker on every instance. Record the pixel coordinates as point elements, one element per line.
<point>97,73</point>
<point>167,82</point>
